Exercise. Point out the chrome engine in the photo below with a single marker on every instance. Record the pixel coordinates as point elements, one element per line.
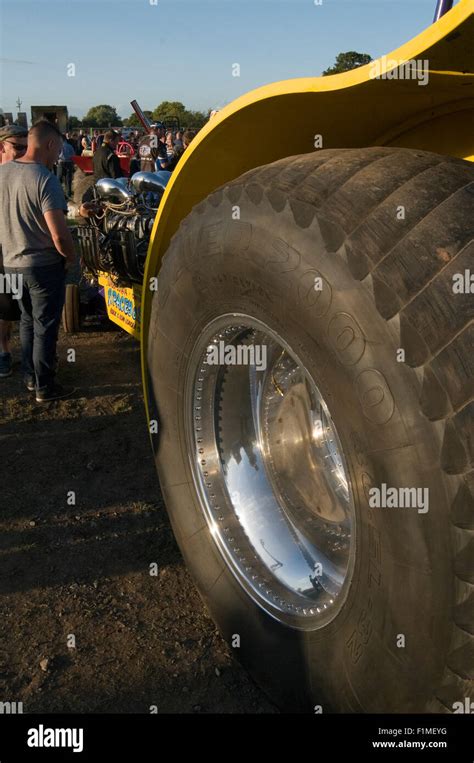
<point>119,221</point>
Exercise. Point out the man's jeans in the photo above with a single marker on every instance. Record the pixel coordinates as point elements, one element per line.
<point>41,306</point>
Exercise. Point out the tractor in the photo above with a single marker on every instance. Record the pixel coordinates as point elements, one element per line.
<point>305,318</point>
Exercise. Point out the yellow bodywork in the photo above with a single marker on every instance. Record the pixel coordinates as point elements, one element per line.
<point>347,110</point>
<point>123,304</point>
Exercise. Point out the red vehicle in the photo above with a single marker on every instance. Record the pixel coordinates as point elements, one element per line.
<point>125,152</point>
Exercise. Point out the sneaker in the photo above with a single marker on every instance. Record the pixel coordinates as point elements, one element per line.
<point>54,392</point>
<point>30,382</point>
<point>5,364</point>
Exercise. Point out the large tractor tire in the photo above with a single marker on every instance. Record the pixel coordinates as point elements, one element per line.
<point>321,489</point>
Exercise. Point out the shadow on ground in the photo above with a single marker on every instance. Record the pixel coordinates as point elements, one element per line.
<point>84,627</point>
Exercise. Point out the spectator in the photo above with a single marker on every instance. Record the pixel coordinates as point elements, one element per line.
<point>94,140</point>
<point>178,142</point>
<point>13,144</point>
<point>169,144</point>
<point>66,167</point>
<point>71,139</point>
<point>179,151</point>
<point>77,143</point>
<point>188,136</point>
<point>162,134</point>
<point>132,139</point>
<point>106,162</point>
<point>152,151</point>
<point>99,141</point>
<point>85,145</point>
<point>37,245</point>
<point>135,160</point>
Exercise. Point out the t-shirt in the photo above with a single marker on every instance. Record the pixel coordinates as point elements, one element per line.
<point>27,191</point>
<point>67,152</point>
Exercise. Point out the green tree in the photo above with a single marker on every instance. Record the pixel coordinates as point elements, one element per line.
<point>347,61</point>
<point>74,123</point>
<point>195,119</point>
<point>169,109</point>
<point>186,117</point>
<point>133,120</point>
<point>102,116</point>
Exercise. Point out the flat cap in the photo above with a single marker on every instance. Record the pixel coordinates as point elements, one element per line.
<point>13,131</point>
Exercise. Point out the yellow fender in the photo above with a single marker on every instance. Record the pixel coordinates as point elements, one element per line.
<point>362,107</point>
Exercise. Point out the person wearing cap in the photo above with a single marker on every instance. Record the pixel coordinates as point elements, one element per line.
<point>152,150</point>
<point>13,143</point>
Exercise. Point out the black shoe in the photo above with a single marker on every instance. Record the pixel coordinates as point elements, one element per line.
<point>54,392</point>
<point>30,382</point>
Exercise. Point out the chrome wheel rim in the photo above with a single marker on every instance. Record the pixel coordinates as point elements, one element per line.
<point>270,472</point>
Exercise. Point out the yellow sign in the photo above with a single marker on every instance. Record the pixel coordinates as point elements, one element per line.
<point>123,305</point>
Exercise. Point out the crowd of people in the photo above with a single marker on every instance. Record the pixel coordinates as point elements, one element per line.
<point>160,149</point>
<point>36,246</point>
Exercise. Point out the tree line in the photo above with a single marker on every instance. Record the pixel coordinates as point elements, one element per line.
<point>105,116</point>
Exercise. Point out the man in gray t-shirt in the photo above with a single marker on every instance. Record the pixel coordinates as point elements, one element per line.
<point>36,245</point>
<point>29,190</point>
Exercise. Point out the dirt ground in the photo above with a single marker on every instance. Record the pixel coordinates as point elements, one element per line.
<point>84,627</point>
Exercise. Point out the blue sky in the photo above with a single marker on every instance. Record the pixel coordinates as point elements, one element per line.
<point>183,50</point>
